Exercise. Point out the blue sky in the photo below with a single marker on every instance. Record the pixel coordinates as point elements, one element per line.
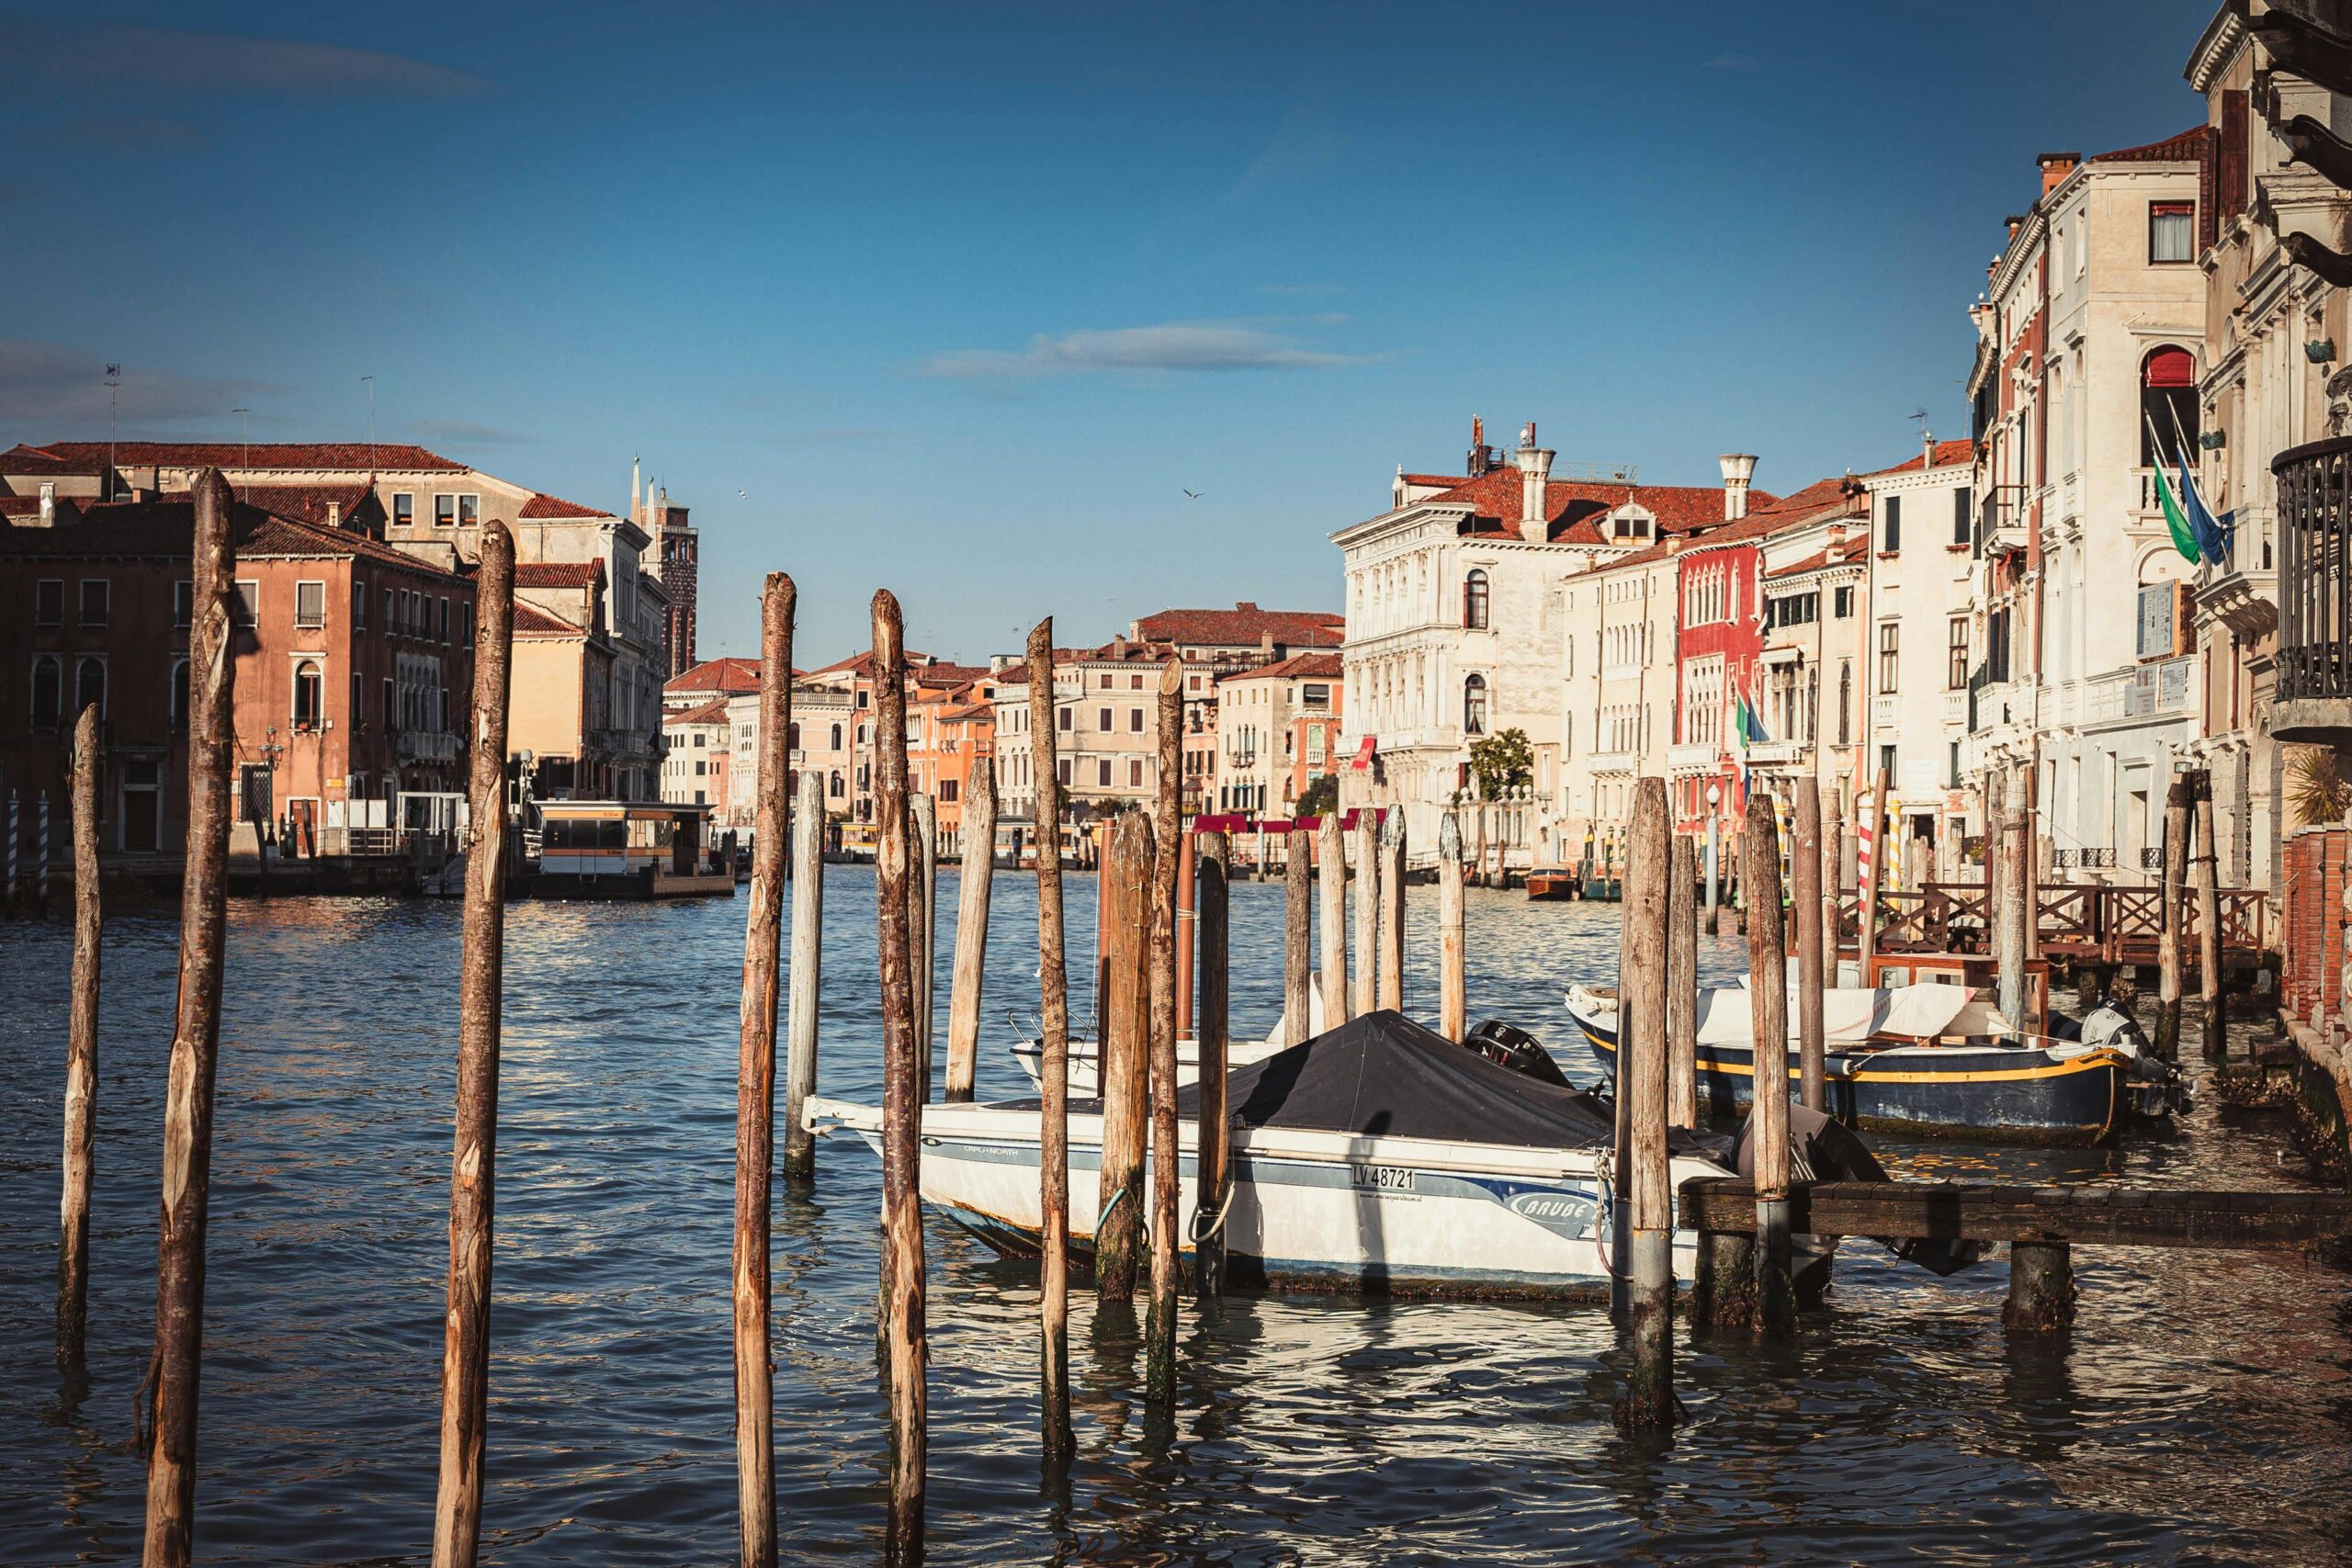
<point>962,300</point>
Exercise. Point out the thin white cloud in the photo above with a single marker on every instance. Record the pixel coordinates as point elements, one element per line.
<point>61,392</point>
<point>1173,346</point>
<point>207,64</point>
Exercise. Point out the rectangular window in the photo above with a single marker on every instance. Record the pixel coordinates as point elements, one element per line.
<point>1890,536</point>
<point>309,605</point>
<point>1844,602</point>
<point>1886,761</point>
<point>1062,719</point>
<point>1135,774</point>
<point>468,510</point>
<point>403,509</point>
<point>358,605</point>
<point>1135,721</point>
<point>97,601</point>
<point>1956,675</point>
<point>1889,655</point>
<point>2170,230</point>
<point>444,512</point>
<point>1103,774</point>
<point>1102,724</point>
<point>1314,697</point>
<point>183,604</point>
<point>392,622</point>
<point>391,697</point>
<point>1960,515</point>
<point>1061,771</point>
<point>248,602</point>
<point>48,602</point>
<point>444,622</point>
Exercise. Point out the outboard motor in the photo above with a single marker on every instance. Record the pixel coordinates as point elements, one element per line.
<point>1507,1046</point>
<point>2157,1087</point>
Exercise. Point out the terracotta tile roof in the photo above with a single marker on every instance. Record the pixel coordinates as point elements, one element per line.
<point>2187,147</point>
<point>1571,507</point>
<point>709,713</point>
<point>356,456</point>
<point>559,573</point>
<point>542,504</point>
<point>309,503</point>
<point>22,505</point>
<point>1298,666</point>
<point>1445,481</point>
<point>1244,626</point>
<point>43,463</point>
<point>1819,498</point>
<point>532,621</point>
<point>1948,454</point>
<point>165,528</point>
<point>725,675</point>
<point>859,663</point>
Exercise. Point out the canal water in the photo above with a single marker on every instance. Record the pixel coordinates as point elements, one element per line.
<point>2201,1414</point>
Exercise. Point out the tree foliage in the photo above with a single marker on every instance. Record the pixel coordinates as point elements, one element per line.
<point>1320,798</point>
<point>1500,763</point>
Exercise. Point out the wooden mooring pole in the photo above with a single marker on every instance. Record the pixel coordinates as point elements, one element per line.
<point>2215,1020</point>
<point>2013,912</point>
<point>1647,1195</point>
<point>922,923</point>
<point>1211,1177</point>
<point>896,875</point>
<point>1125,1055</point>
<point>1805,861</point>
<point>473,1167</point>
<point>755,1090</point>
<point>2041,1288</point>
<point>1332,916</point>
<point>1392,911</point>
<point>1168,835</point>
<point>1298,918</point>
<point>1367,979</point>
<point>806,978</point>
<point>196,1035</point>
<point>1768,980</point>
<point>1682,983</point>
<point>1454,1018</point>
<point>81,1050</point>
<point>1053,1009</point>
<point>2169,955</point>
<point>974,878</point>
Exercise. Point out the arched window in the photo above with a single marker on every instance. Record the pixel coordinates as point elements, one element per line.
<point>180,694</point>
<point>48,682</point>
<point>90,686</point>
<point>836,786</point>
<point>837,744</point>
<point>2167,407</point>
<point>1474,600</point>
<point>1845,703</point>
<point>1473,706</point>
<point>792,737</point>
<point>307,697</point>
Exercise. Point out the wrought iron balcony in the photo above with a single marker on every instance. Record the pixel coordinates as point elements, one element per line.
<point>2314,689</point>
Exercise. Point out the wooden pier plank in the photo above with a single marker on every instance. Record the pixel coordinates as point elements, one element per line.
<point>2111,1216</point>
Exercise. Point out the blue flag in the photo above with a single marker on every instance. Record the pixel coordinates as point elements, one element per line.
<point>2213,534</point>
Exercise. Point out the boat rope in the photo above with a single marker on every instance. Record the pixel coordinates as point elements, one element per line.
<point>1201,1236</point>
<point>1104,1217</point>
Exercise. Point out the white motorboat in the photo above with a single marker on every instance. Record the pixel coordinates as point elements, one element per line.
<point>1379,1156</point>
<point>1085,1077</point>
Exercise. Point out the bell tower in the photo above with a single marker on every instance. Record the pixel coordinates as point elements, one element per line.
<point>676,562</point>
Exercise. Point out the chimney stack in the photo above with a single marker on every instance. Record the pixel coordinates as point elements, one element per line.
<point>2055,167</point>
<point>334,514</point>
<point>1534,473</point>
<point>49,504</point>
<point>1927,446</point>
<point>1482,456</point>
<point>1738,468</point>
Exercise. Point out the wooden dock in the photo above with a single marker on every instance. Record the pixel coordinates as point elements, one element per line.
<point>2076,923</point>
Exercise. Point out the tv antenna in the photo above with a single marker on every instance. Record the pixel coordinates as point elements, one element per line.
<point>114,384</point>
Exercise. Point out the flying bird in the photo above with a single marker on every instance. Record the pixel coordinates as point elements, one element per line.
<point>1194,493</point>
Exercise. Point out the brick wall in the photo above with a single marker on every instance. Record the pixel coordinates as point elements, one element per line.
<point>2313,949</point>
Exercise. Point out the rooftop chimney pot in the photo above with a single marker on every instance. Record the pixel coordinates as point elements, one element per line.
<point>1739,468</point>
<point>49,504</point>
<point>1534,473</point>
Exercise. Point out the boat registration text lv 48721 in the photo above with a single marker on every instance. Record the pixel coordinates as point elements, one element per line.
<point>1382,1177</point>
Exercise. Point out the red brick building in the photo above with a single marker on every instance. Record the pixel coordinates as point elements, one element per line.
<point>353,660</point>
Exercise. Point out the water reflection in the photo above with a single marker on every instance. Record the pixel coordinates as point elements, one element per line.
<point>2201,1412</point>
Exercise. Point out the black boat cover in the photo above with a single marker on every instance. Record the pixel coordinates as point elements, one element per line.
<point>1384,1076</point>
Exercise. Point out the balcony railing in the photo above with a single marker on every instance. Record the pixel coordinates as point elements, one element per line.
<point>2314,679</point>
<point>425,746</point>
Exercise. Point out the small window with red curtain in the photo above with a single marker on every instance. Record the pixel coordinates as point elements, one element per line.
<point>2167,407</point>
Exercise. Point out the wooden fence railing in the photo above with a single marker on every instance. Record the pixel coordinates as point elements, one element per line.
<point>2111,925</point>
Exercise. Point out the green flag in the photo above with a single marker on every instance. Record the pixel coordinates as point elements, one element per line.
<point>2184,537</point>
